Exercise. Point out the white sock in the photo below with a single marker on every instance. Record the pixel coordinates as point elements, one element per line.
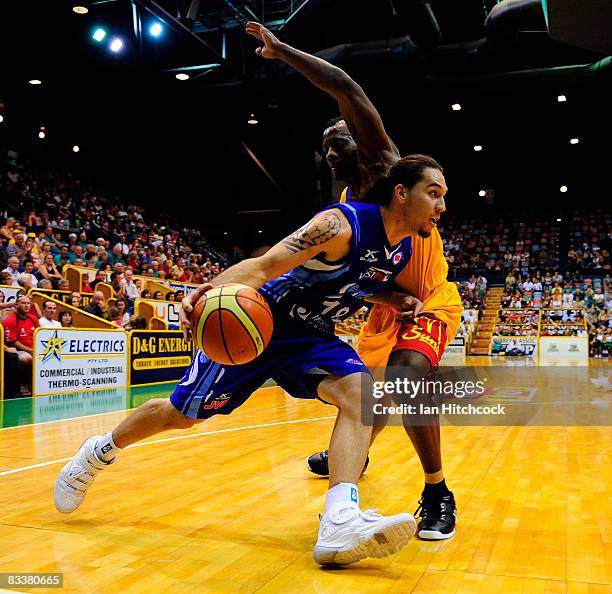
<point>346,494</point>
<point>106,449</point>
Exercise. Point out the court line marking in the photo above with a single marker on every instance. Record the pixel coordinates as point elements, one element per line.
<point>175,438</point>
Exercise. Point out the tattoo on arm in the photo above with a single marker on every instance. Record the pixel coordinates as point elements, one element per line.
<point>317,231</point>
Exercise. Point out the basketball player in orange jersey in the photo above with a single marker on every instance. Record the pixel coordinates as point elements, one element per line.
<point>359,152</point>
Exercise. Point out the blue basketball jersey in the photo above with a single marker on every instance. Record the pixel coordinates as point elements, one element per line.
<point>320,293</point>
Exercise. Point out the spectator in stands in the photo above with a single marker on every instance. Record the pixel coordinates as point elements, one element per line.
<point>96,306</point>
<point>123,307</point>
<point>112,315</point>
<point>6,230</point>
<point>18,248</point>
<point>64,285</point>
<point>48,313</point>
<point>19,330</point>
<point>85,286</point>
<point>48,269</point>
<point>76,299</point>
<point>146,294</point>
<point>99,278</point>
<point>13,270</point>
<point>65,318</point>
<point>158,295</point>
<point>169,296</point>
<point>137,323</point>
<point>129,288</point>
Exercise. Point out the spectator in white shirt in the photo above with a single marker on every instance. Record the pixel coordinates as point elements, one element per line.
<point>13,269</point>
<point>48,311</point>
<point>130,289</point>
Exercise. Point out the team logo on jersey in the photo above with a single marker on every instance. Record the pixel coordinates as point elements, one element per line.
<point>376,274</point>
<point>393,253</point>
<point>370,256</point>
<point>397,258</point>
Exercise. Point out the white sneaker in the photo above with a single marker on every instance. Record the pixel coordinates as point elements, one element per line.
<point>76,476</point>
<point>347,535</point>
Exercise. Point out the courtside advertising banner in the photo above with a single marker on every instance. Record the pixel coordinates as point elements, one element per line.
<point>158,356</point>
<point>564,350</point>
<point>71,359</point>
<point>186,287</point>
<point>514,346</point>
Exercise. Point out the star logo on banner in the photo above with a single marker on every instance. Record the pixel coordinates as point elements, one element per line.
<point>53,348</point>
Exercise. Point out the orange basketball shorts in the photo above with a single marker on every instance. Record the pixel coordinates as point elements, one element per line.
<point>424,334</point>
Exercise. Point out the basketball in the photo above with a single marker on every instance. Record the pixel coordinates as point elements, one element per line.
<point>232,324</point>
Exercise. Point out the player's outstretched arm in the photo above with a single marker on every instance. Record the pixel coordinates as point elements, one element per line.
<point>327,233</point>
<point>361,117</point>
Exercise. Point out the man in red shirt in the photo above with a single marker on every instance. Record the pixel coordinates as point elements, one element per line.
<point>19,329</point>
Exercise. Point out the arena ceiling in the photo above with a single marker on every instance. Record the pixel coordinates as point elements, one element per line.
<point>157,139</point>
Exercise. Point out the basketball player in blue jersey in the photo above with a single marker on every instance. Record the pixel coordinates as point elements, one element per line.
<point>315,277</point>
<point>359,152</point>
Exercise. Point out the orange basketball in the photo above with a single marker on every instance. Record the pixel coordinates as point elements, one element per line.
<point>232,324</point>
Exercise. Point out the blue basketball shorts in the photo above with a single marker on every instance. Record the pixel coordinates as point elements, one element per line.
<point>208,388</point>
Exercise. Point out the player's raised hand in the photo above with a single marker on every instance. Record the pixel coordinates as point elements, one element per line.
<point>187,305</point>
<point>270,49</point>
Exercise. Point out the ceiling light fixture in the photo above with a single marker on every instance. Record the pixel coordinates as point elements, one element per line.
<point>116,45</point>
<point>35,81</point>
<point>482,193</point>
<point>456,106</point>
<point>561,99</point>
<point>252,120</point>
<point>563,189</point>
<point>80,9</point>
<point>99,34</point>
<point>574,140</point>
<point>477,148</point>
<point>182,76</point>
<point>76,148</point>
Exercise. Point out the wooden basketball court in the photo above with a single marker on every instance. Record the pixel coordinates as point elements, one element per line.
<point>229,506</point>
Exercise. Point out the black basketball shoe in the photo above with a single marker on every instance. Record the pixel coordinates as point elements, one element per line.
<point>438,516</point>
<point>318,463</point>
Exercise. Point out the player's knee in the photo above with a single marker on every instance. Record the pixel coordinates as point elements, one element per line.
<point>413,359</point>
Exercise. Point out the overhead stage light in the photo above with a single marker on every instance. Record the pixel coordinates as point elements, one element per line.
<point>35,81</point>
<point>41,134</point>
<point>1,119</point>
<point>156,29</point>
<point>99,34</point>
<point>456,106</point>
<point>563,189</point>
<point>561,98</point>
<point>76,148</point>
<point>477,148</point>
<point>574,140</point>
<point>116,45</point>
<point>252,120</point>
<point>80,9</point>
<point>182,76</point>
<point>482,193</point>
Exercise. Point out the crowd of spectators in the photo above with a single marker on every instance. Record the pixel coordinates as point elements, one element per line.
<point>53,220</point>
<point>473,292</point>
<point>590,241</point>
<point>493,246</point>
